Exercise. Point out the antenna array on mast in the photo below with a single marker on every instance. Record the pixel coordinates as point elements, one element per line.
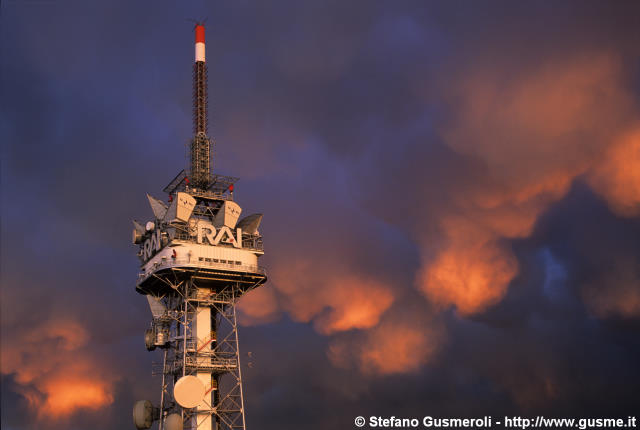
<point>200,148</point>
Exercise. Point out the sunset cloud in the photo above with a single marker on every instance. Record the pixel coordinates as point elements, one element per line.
<point>333,302</point>
<point>399,344</point>
<point>617,175</point>
<point>450,197</point>
<point>534,132</point>
<point>58,374</point>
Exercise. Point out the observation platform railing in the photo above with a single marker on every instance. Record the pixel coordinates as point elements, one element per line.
<point>196,263</point>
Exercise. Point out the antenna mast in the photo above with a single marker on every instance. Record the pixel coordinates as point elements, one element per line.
<point>197,258</point>
<point>200,148</point>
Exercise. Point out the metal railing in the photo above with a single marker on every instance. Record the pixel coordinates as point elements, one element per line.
<point>195,262</point>
<point>200,363</point>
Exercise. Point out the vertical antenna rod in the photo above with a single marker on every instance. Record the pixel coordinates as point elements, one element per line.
<point>200,149</point>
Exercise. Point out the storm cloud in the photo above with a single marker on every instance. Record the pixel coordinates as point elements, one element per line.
<point>451,194</point>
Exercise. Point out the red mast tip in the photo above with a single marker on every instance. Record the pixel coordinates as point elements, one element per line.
<point>199,33</point>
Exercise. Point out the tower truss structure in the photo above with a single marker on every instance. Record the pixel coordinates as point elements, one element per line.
<point>198,257</point>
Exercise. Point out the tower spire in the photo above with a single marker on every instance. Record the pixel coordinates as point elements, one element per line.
<point>197,258</point>
<point>200,148</point>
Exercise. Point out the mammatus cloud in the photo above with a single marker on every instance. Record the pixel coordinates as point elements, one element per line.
<point>396,345</point>
<point>617,176</point>
<point>333,302</point>
<point>259,306</point>
<point>487,163</point>
<point>472,272</point>
<point>533,132</point>
<point>55,370</point>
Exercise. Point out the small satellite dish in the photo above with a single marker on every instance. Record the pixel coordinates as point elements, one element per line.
<point>189,391</point>
<point>143,414</point>
<point>138,232</point>
<point>250,223</point>
<point>173,422</point>
<point>137,237</point>
<point>150,226</point>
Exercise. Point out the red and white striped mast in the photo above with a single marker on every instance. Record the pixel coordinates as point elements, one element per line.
<point>200,151</point>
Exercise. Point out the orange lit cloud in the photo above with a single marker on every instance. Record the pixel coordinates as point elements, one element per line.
<point>51,358</point>
<point>335,303</point>
<point>471,275</point>
<point>533,133</point>
<point>66,394</point>
<point>397,348</point>
<point>390,348</point>
<point>617,176</point>
<point>550,120</point>
<point>259,306</point>
<point>353,303</point>
<point>530,133</point>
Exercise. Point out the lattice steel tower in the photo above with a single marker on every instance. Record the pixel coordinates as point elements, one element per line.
<point>197,259</point>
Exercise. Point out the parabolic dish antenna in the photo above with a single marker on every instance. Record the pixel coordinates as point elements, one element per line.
<point>189,391</point>
<point>143,414</point>
<point>173,422</point>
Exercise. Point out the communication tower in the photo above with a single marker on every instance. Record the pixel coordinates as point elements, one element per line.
<point>197,259</point>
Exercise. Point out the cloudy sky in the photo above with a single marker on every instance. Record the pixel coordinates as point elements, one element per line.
<point>451,194</point>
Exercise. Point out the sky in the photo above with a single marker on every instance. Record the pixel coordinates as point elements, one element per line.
<point>451,199</point>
